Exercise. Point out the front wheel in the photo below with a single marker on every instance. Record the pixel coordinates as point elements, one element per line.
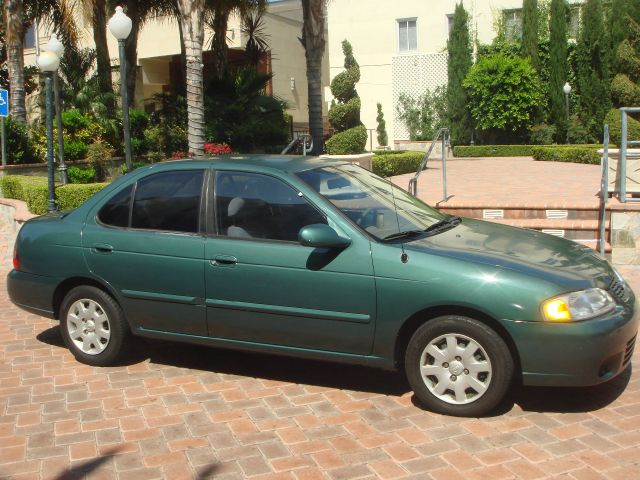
<point>93,326</point>
<point>458,366</point>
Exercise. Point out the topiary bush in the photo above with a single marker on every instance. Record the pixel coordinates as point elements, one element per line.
<point>388,165</point>
<point>381,129</point>
<point>573,154</point>
<point>344,114</point>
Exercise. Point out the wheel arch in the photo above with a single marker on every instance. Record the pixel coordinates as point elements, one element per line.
<point>421,317</point>
<point>67,285</point>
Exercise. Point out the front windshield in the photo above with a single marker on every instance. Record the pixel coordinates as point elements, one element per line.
<point>367,200</point>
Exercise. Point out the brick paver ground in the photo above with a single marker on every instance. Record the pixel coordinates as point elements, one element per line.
<point>176,411</point>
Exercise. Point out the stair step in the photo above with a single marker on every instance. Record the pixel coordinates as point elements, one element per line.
<point>550,223</point>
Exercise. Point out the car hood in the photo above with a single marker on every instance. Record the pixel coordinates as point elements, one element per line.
<point>530,252</point>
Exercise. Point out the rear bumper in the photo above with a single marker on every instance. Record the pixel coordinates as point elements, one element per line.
<point>33,293</point>
<point>575,354</point>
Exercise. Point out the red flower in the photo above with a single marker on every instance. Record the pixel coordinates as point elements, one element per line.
<point>217,149</point>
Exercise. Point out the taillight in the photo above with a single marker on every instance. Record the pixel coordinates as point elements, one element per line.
<point>16,258</point>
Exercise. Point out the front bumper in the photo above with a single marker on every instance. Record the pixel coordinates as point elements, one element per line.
<point>575,354</point>
<point>33,293</point>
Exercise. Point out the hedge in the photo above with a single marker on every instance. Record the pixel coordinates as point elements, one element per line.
<point>34,191</point>
<point>506,150</point>
<point>388,165</point>
<point>388,152</point>
<point>573,154</point>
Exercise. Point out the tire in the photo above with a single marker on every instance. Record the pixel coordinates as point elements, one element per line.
<point>447,377</point>
<point>93,326</point>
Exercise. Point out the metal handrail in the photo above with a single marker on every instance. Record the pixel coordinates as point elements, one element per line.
<point>604,191</point>
<point>413,183</point>
<point>624,143</point>
<point>301,137</point>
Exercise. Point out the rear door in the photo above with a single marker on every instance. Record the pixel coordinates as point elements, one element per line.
<point>145,242</point>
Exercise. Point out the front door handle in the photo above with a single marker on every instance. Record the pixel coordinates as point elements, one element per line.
<point>223,260</point>
<point>102,248</point>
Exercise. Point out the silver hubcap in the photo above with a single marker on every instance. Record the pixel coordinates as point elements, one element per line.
<point>456,369</point>
<point>88,326</point>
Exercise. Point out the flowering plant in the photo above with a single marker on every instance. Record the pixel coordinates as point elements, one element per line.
<point>217,149</point>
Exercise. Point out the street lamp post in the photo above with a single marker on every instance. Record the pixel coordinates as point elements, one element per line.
<point>120,27</point>
<point>48,63</point>
<point>54,45</point>
<point>567,89</point>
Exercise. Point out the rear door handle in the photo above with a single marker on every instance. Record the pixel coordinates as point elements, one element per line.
<point>102,248</point>
<point>223,260</point>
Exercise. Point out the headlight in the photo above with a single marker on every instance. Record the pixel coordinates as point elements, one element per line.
<point>578,305</point>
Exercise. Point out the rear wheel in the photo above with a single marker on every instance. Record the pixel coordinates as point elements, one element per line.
<point>458,366</point>
<point>93,326</point>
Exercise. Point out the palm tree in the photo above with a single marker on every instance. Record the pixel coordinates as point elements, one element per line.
<point>18,17</point>
<point>314,41</point>
<point>192,24</point>
<point>14,31</point>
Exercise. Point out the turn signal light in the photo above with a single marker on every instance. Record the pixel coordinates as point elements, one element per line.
<point>557,310</point>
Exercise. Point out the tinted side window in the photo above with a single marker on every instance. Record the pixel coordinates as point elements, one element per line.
<point>168,201</point>
<point>259,206</point>
<point>116,211</point>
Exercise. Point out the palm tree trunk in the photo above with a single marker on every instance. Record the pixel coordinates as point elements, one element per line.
<point>220,49</point>
<point>14,31</point>
<point>131,51</point>
<point>191,18</point>
<point>99,24</point>
<point>313,40</point>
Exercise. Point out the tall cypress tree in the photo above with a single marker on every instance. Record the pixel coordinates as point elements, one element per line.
<point>558,66</point>
<point>530,32</point>
<point>618,28</point>
<point>460,61</point>
<point>592,62</point>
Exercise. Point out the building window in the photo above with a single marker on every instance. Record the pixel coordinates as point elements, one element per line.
<point>407,35</point>
<point>30,37</point>
<point>574,20</point>
<point>513,24</point>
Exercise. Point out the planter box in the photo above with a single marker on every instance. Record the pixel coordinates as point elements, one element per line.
<point>362,159</point>
<point>633,170</point>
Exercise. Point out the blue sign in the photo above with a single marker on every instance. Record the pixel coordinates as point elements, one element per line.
<point>4,103</point>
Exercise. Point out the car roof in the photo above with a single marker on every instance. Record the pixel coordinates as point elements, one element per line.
<point>256,162</point>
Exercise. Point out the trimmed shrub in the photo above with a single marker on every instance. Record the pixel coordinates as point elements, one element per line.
<point>75,150</point>
<point>81,175</point>
<point>33,191</point>
<point>572,154</point>
<point>542,134</point>
<point>342,115</point>
<point>388,152</point>
<point>508,150</point>
<point>349,141</point>
<point>388,165</point>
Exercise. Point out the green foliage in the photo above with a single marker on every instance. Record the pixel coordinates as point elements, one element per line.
<point>73,121</point>
<point>20,149</point>
<point>33,191</point>
<point>578,132</point>
<point>530,32</point>
<point>624,91</point>
<point>98,153</point>
<point>349,141</point>
<point>344,115</point>
<point>614,120</point>
<point>625,86</point>
<point>558,54</point>
<point>134,165</point>
<point>508,150</point>
<point>81,175</point>
<point>460,60</point>
<point>237,112</point>
<point>572,154</point>
<point>388,152</point>
<point>542,134</point>
<point>381,129</point>
<point>423,115</point>
<point>139,121</point>
<point>75,150</point>
<point>503,93</point>
<point>389,164</point>
<point>592,59</point>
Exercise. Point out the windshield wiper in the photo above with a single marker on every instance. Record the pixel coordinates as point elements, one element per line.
<point>443,225</point>
<point>405,234</point>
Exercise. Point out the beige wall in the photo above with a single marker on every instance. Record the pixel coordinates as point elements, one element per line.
<point>371,27</point>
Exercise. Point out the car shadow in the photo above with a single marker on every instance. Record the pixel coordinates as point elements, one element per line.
<point>350,377</point>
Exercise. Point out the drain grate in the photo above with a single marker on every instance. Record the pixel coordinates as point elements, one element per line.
<point>557,214</point>
<point>557,233</point>
<point>492,214</point>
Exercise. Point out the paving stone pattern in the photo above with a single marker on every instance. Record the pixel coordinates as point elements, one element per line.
<point>176,411</point>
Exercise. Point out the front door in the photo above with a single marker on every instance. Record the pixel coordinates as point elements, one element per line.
<point>262,286</point>
<point>149,249</point>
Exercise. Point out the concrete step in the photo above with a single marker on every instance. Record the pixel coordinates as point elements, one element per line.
<point>570,229</point>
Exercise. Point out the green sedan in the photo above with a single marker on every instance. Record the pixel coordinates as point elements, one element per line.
<point>314,258</point>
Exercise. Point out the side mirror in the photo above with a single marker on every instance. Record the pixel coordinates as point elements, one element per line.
<point>320,235</point>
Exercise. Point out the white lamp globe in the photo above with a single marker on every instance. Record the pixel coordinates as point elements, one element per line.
<point>54,45</point>
<point>120,25</point>
<point>48,61</point>
<point>567,88</point>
